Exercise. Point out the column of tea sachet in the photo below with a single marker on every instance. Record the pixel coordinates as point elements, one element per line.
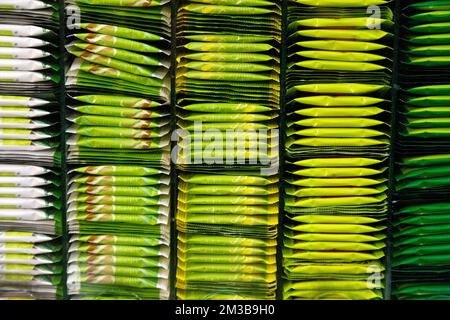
<point>119,150</point>
<point>30,217</point>
<point>227,107</point>
<point>338,118</point>
<point>228,78</point>
<point>118,82</point>
<point>118,219</point>
<point>227,244</point>
<point>421,253</point>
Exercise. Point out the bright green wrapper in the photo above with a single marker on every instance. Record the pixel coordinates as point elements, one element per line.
<point>106,121</point>
<point>145,283</point>
<point>121,32</point>
<point>121,191</point>
<point>108,72</point>
<point>118,200</point>
<point>119,54</point>
<point>110,132</point>
<point>119,170</point>
<point>118,112</point>
<point>126,218</point>
<point>226,107</point>
<point>228,57</point>
<point>114,63</point>
<point>118,271</point>
<point>228,180</point>
<point>225,10</point>
<point>122,3</point>
<point>228,47</point>
<point>117,143</point>
<point>117,180</point>
<point>119,250</point>
<point>116,42</point>
<point>120,240</point>
<point>118,101</point>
